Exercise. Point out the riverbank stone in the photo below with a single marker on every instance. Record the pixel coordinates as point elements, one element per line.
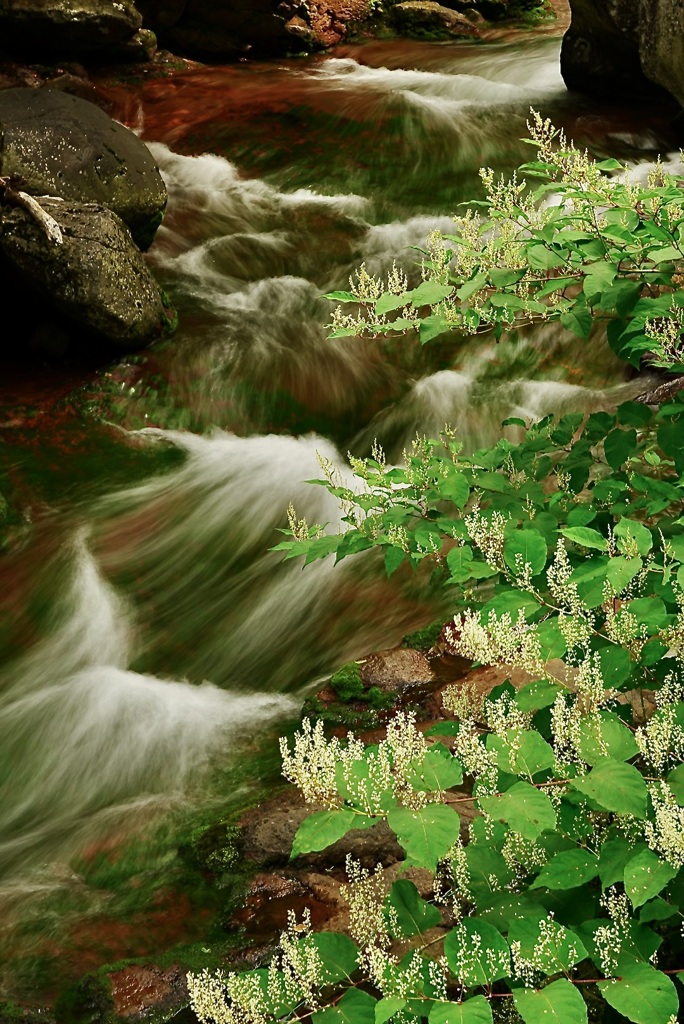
<point>397,670</point>
<point>62,145</point>
<point>423,18</point>
<point>96,278</point>
<point>60,28</point>
<point>631,49</point>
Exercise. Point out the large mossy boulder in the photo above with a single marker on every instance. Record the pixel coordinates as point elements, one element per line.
<point>64,146</point>
<point>94,277</point>
<point>625,48</point>
<point>63,28</point>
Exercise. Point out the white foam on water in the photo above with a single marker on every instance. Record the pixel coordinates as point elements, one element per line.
<point>80,733</point>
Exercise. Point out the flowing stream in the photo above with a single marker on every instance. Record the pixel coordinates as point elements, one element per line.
<point>151,644</point>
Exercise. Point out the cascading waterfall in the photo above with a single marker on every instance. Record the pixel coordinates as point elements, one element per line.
<point>169,632</point>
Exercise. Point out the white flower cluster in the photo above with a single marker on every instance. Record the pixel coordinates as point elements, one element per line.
<point>665,836</point>
<point>313,763</point>
<point>487,533</point>
<point>522,855</point>
<point>295,976</point>
<point>320,768</point>
<point>610,938</point>
<point>531,969</point>
<point>500,640</point>
<point>365,895</point>
<point>661,739</point>
<point>477,761</point>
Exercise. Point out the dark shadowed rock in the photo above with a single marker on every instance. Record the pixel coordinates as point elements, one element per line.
<point>625,48</point>
<point>65,27</point>
<point>397,670</point>
<point>61,145</point>
<point>269,830</point>
<point>96,277</point>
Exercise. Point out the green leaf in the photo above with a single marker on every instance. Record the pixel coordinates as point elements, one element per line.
<point>338,955</point>
<point>413,914</point>
<point>605,734</point>
<point>527,547</point>
<point>649,612</point>
<point>557,1003</point>
<point>578,318</point>
<point>645,876</point>
<point>521,754</point>
<point>504,278</point>
<point>432,326</point>
<point>621,571</point>
<point>616,787</point>
<point>527,810</point>
<point>437,771</point>
<point>488,869</point>
<point>460,563</point>
<point>476,284</point>
<point>388,302</point>
<point>355,1007</point>
<point>393,558</point>
<point>619,446</point>
<point>426,835</point>
<point>630,533</point>
<point>554,949</point>
<point>643,995</point>
<point>613,856</point>
<point>473,1011</point>
<point>323,828</point>
<point>540,257</point>
<point>585,537</point>
<point>567,869</point>
<point>477,952</point>
<point>675,781</point>
<point>551,641</point>
<point>429,293</point>
<point>387,1007</point>
<point>341,297</point>
<point>455,488</point>
<point>599,277</point>
<point>540,694</point>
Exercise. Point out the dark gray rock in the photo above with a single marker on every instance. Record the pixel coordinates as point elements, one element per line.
<point>625,48</point>
<point>66,27</point>
<point>96,278</point>
<point>64,146</point>
<point>209,28</point>
<point>268,832</point>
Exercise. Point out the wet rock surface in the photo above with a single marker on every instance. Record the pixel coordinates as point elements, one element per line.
<point>269,830</point>
<point>95,277</point>
<point>630,48</point>
<point>142,990</point>
<point>66,27</point>
<point>61,145</point>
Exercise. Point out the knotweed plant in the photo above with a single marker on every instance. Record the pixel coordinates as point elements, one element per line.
<point>549,814</point>
<point>589,243</point>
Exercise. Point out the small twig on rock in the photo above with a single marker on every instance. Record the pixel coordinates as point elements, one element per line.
<point>12,194</point>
